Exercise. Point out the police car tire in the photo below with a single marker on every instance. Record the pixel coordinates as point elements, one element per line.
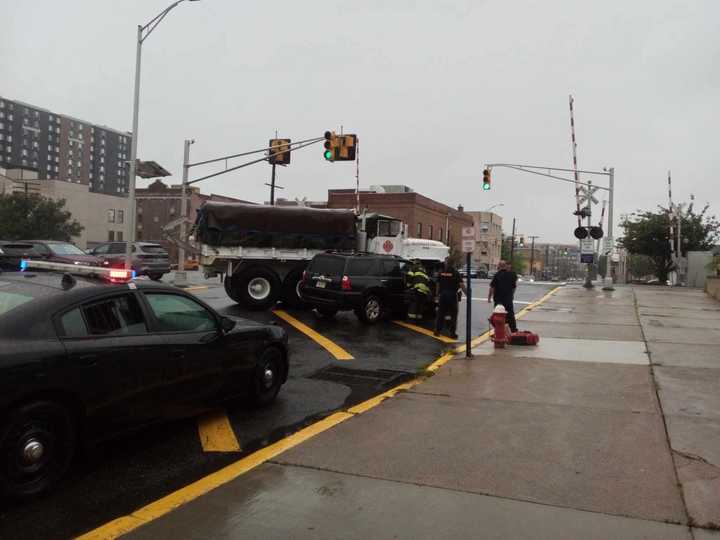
<point>263,392</point>
<point>48,423</point>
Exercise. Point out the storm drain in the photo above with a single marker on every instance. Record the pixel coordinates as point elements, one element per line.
<point>377,378</point>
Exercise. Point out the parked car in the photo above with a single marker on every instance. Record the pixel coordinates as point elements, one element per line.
<point>82,360</point>
<point>61,252</point>
<point>370,285</point>
<point>148,258</point>
<point>11,253</point>
<point>463,271</point>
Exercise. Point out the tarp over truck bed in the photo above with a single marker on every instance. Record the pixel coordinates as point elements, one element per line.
<point>250,225</point>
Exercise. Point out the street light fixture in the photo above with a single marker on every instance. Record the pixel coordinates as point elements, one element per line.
<point>143,32</point>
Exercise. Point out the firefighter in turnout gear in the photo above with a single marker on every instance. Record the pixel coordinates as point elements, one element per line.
<point>418,286</point>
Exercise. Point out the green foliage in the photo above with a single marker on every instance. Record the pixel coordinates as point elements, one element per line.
<point>648,233</point>
<point>640,266</point>
<point>35,217</point>
<point>519,262</point>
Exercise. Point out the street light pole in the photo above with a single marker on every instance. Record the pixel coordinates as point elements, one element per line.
<point>183,205</point>
<point>143,32</point>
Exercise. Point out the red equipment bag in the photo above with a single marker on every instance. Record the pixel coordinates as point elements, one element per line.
<point>524,338</point>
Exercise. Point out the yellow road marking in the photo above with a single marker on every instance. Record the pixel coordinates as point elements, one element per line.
<point>334,349</point>
<point>216,433</point>
<point>424,331</point>
<point>170,502</point>
<point>154,510</point>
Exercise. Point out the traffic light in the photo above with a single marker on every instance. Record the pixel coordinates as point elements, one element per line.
<point>332,145</point>
<point>340,147</point>
<point>486,180</point>
<point>348,146</point>
<point>281,149</point>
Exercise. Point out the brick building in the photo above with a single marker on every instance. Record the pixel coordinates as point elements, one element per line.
<point>159,204</point>
<point>425,217</point>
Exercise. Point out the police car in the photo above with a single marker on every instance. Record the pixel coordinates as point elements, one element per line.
<point>88,352</point>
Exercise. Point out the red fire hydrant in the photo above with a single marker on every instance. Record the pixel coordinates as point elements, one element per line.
<point>497,321</point>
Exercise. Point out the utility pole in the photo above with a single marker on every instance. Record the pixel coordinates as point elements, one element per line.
<point>512,245</point>
<point>272,186</point>
<point>532,255</point>
<point>588,271</point>
<point>547,256</point>
<point>609,237</point>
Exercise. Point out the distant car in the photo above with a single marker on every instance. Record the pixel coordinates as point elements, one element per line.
<point>370,285</point>
<point>463,271</point>
<point>11,253</point>
<point>60,252</point>
<point>148,258</point>
<point>82,360</point>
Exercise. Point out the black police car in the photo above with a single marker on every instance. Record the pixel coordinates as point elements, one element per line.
<point>371,285</point>
<point>83,359</point>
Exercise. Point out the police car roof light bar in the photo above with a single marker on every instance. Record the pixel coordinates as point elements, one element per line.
<point>114,275</point>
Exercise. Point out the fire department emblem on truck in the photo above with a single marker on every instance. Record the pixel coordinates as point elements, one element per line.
<point>388,246</point>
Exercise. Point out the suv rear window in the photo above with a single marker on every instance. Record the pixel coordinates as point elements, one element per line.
<point>154,249</point>
<point>328,265</point>
<point>360,266</point>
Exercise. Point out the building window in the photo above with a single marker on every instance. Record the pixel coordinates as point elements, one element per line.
<point>430,233</point>
<point>440,236</point>
<point>119,236</point>
<point>419,230</point>
<point>121,216</point>
<point>111,216</point>
<point>111,236</point>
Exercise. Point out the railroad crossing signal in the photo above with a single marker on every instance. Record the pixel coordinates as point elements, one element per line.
<point>587,194</point>
<point>281,150</point>
<point>486,180</point>
<point>340,147</point>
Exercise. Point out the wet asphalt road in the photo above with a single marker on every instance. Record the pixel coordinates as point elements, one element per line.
<point>125,474</point>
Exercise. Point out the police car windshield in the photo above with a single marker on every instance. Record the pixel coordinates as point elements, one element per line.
<point>10,298</point>
<point>66,249</point>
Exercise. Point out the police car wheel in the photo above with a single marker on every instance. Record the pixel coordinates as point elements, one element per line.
<point>267,377</point>
<point>37,443</point>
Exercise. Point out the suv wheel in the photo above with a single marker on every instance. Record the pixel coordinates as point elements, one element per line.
<point>371,309</point>
<point>37,442</point>
<point>291,290</point>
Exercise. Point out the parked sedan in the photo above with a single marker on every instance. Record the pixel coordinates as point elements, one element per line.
<point>82,360</point>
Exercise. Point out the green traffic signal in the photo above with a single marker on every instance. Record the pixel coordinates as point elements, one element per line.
<point>328,154</point>
<point>486,186</point>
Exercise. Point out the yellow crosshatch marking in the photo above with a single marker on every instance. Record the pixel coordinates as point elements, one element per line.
<point>334,349</point>
<point>216,433</point>
<point>170,502</point>
<point>425,331</point>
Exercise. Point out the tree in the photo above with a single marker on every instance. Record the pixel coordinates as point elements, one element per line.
<point>519,261</point>
<point>648,233</point>
<point>640,266</point>
<point>33,216</point>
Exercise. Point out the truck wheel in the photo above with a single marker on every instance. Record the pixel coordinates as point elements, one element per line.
<point>258,288</point>
<point>291,290</point>
<point>231,288</point>
<point>37,442</point>
<point>371,309</point>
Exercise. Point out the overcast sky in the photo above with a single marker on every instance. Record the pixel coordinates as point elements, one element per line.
<point>434,89</point>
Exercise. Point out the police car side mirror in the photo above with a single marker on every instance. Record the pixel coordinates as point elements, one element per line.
<point>227,324</point>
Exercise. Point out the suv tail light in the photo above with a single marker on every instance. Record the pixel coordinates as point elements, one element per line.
<point>345,283</point>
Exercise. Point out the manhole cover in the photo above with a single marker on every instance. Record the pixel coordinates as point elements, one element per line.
<point>352,377</point>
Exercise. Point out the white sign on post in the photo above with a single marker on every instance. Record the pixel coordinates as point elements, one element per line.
<point>587,246</point>
<point>468,245</point>
<point>468,232</point>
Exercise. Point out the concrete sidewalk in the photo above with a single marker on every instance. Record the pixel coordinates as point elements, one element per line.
<point>564,440</point>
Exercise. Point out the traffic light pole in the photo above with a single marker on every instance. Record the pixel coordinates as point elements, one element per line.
<point>468,314</point>
<point>272,186</point>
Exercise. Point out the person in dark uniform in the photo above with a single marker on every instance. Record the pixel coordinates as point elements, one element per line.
<point>502,292</point>
<point>449,281</point>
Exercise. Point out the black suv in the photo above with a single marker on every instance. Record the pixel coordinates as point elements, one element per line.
<point>371,285</point>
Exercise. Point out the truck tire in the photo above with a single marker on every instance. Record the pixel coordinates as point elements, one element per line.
<point>258,288</point>
<point>291,290</point>
<point>231,289</point>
